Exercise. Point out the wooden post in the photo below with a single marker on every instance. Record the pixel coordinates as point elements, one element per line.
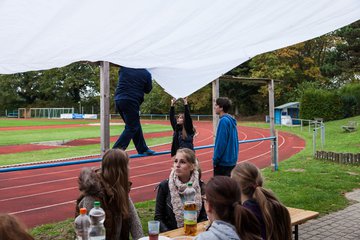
<point>215,95</point>
<point>104,106</point>
<point>274,160</point>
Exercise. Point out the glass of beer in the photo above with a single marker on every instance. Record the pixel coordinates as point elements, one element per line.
<point>154,230</point>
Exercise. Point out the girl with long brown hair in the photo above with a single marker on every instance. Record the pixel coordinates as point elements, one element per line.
<point>110,185</point>
<point>11,228</point>
<point>272,214</point>
<point>229,220</point>
<point>184,131</point>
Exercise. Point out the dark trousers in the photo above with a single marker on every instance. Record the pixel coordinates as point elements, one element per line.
<point>223,170</point>
<point>129,112</point>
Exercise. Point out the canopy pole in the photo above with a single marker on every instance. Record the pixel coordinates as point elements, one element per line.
<point>104,106</point>
<point>215,95</point>
<point>274,160</point>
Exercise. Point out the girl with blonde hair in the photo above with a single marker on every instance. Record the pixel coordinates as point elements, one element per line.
<point>170,200</point>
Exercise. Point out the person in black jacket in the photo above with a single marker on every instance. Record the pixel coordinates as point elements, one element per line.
<point>184,131</point>
<point>129,95</point>
<point>169,208</point>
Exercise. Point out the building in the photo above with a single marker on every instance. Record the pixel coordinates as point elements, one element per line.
<point>286,113</point>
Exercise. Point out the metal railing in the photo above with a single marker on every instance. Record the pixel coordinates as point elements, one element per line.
<point>93,160</point>
<point>155,116</point>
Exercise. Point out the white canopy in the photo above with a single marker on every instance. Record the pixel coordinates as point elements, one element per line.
<point>184,43</point>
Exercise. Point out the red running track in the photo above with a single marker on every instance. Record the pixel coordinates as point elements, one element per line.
<point>48,195</point>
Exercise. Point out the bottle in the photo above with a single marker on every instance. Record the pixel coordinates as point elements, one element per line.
<point>97,218</point>
<point>82,225</point>
<point>190,211</point>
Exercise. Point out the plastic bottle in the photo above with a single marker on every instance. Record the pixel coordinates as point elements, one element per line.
<point>97,218</point>
<point>82,225</point>
<point>190,211</point>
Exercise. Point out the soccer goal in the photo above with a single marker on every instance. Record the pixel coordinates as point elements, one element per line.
<point>49,112</point>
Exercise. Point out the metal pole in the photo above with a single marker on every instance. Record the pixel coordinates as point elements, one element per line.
<point>104,107</point>
<point>314,141</point>
<point>272,123</point>
<point>322,135</point>
<point>215,95</point>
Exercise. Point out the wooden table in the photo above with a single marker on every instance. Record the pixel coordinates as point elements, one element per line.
<point>298,216</point>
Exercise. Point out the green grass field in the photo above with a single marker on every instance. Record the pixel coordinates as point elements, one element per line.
<point>62,134</point>
<point>301,182</point>
<point>15,122</point>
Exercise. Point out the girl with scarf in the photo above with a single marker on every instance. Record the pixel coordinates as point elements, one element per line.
<point>110,185</point>
<point>182,125</point>
<point>169,208</point>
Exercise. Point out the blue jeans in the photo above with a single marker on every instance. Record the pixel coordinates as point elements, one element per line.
<point>129,112</point>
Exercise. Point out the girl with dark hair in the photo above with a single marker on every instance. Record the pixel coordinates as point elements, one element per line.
<point>169,208</point>
<point>184,131</point>
<point>110,185</point>
<point>11,228</point>
<point>272,214</point>
<point>229,220</point>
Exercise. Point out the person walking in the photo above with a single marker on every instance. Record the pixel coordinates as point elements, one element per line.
<point>226,148</point>
<point>129,95</point>
<point>182,125</point>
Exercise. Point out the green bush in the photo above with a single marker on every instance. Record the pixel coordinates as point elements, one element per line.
<point>350,96</point>
<point>319,103</point>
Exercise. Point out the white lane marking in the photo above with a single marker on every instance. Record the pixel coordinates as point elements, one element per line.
<point>37,194</point>
<point>39,183</point>
<point>43,207</point>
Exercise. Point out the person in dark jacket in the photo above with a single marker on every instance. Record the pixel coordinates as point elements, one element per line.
<point>184,131</point>
<point>169,208</point>
<point>129,95</point>
<point>273,216</point>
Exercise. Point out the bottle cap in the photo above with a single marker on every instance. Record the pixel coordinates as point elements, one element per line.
<point>96,204</point>
<point>189,184</point>
<point>83,210</point>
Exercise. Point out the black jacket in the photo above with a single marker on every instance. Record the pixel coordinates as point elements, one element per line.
<point>132,84</point>
<point>164,210</point>
<point>178,141</point>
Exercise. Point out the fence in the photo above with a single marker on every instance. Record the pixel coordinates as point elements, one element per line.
<point>345,158</point>
<point>43,112</point>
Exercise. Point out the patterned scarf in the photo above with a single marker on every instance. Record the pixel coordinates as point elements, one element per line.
<point>176,188</point>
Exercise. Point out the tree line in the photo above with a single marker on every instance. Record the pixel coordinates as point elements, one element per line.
<point>330,63</point>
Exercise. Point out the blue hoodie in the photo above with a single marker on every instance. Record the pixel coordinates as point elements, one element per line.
<point>226,143</point>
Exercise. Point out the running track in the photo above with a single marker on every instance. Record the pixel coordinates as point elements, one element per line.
<point>47,195</point>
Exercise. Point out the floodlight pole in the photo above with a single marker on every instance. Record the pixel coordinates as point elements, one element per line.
<point>104,106</point>
<point>215,95</point>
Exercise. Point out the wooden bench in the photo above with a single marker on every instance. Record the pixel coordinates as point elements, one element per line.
<point>352,125</point>
<point>298,216</point>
